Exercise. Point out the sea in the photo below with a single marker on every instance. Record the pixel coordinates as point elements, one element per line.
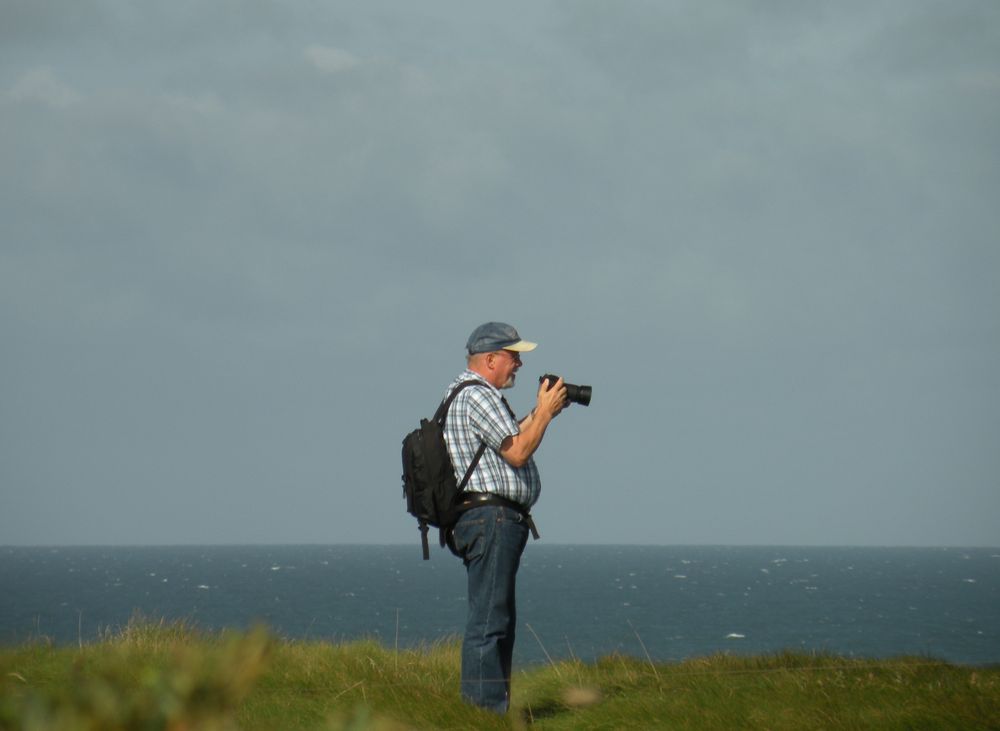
<point>665,603</point>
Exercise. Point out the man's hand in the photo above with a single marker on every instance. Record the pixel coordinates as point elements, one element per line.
<point>551,398</point>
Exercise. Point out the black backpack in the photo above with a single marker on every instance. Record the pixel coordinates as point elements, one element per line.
<point>429,483</point>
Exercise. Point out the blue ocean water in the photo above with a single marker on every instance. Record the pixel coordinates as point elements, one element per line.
<point>673,602</point>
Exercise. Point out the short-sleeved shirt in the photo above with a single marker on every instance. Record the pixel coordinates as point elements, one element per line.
<point>479,414</point>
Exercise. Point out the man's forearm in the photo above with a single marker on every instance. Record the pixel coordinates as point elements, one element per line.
<point>518,448</point>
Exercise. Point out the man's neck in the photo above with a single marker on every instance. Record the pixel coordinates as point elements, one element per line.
<point>485,376</point>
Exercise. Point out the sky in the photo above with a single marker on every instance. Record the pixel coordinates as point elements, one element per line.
<point>243,243</point>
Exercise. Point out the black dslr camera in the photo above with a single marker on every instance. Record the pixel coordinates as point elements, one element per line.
<point>576,394</point>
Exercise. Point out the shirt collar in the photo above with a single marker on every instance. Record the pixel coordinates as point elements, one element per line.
<point>471,375</point>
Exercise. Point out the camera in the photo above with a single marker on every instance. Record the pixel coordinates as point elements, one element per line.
<point>576,394</point>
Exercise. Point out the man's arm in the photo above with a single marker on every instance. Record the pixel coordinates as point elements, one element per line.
<point>518,448</point>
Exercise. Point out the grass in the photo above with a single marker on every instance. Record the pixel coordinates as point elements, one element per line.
<point>151,675</point>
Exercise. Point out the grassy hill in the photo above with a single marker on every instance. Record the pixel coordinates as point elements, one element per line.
<point>173,677</point>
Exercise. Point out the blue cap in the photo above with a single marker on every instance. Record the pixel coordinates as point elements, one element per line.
<point>493,336</point>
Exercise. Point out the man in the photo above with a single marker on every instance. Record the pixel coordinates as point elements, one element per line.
<point>493,529</point>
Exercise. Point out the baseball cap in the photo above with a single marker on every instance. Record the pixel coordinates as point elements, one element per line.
<point>492,336</point>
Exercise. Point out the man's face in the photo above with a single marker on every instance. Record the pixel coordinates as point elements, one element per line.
<point>506,364</point>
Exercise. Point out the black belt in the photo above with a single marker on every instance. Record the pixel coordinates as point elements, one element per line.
<point>472,500</point>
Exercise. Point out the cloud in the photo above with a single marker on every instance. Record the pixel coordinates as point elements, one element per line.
<point>331,60</point>
<point>41,86</point>
<point>744,201</point>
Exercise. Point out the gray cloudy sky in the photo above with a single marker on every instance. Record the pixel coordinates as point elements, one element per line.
<point>242,243</point>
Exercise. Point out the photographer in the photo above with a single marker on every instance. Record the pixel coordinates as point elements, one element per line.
<point>492,531</point>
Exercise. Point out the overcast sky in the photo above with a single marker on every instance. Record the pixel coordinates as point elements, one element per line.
<point>243,242</point>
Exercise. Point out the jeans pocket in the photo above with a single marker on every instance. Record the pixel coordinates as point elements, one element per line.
<point>510,516</point>
<point>469,535</point>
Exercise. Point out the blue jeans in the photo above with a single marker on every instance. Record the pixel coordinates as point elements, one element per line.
<point>490,541</point>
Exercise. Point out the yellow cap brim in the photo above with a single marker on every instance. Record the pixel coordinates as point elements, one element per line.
<point>522,346</point>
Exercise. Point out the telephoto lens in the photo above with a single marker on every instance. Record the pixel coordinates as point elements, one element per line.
<point>576,394</point>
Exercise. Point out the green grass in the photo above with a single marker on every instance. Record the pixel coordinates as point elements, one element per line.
<point>171,676</point>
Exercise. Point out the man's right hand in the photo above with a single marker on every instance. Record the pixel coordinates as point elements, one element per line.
<point>551,398</point>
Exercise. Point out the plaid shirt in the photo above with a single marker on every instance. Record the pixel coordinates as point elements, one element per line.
<point>480,414</point>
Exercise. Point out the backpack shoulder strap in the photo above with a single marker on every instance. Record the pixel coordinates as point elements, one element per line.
<point>442,413</point>
<point>442,410</point>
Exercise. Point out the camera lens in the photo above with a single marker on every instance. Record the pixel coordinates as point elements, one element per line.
<point>576,394</point>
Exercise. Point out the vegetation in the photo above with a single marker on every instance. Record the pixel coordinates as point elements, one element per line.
<point>173,677</point>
